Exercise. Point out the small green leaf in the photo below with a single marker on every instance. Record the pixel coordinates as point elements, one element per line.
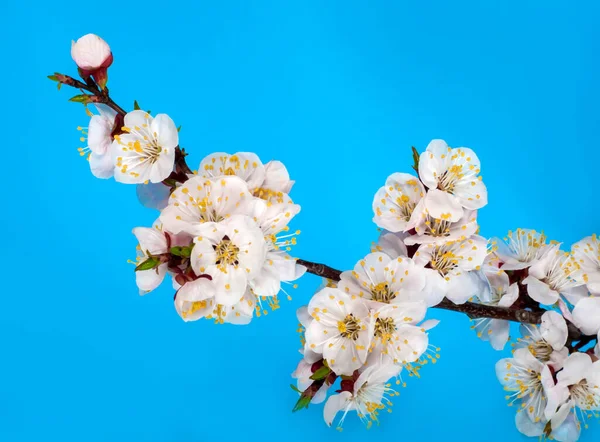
<point>302,403</point>
<point>58,86</point>
<point>415,159</point>
<point>150,263</point>
<point>321,373</point>
<point>179,129</point>
<point>295,388</point>
<point>53,77</point>
<point>83,98</point>
<point>182,251</point>
<point>136,106</point>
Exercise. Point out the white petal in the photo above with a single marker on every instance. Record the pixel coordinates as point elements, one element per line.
<point>194,299</point>
<point>499,334</point>
<point>148,280</point>
<point>554,329</point>
<point>151,240</point>
<point>153,195</point>
<point>335,404</point>
<point>575,368</point>
<point>230,285</point>
<point>540,291</point>
<point>392,244</point>
<point>432,164</point>
<point>586,315</point>
<point>277,177</point>
<point>166,132</point>
<point>443,205</point>
<point>526,426</point>
<point>102,166</point>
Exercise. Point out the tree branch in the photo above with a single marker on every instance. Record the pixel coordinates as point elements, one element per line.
<point>101,95</point>
<point>471,309</point>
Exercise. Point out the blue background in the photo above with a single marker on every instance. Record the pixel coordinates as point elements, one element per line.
<point>339,91</point>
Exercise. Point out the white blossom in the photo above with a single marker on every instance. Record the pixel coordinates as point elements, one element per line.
<point>152,242</point>
<point>269,182</point>
<point>526,379</point>
<point>231,252</point>
<point>547,341</point>
<point>562,427</point>
<point>587,254</point>
<point>379,279</point>
<point>449,268</point>
<point>520,249</point>
<point>435,230</point>
<point>195,299</point>
<point>99,139</point>
<point>556,273</point>
<point>452,175</point>
<point>501,294</point>
<point>577,387</point>
<point>279,266</point>
<point>368,397</point>
<point>146,151</point>
<point>341,330</point>
<point>396,333</point>
<point>200,200</point>
<point>394,203</point>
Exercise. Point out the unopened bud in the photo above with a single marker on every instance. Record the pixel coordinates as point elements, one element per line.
<point>93,57</point>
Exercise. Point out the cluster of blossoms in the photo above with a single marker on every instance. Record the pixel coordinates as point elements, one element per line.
<point>554,381</point>
<point>222,233</point>
<point>223,236</point>
<point>370,326</point>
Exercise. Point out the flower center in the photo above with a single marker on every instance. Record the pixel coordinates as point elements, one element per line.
<point>381,292</point>
<point>349,327</point>
<point>406,207</point>
<point>526,244</point>
<point>444,260</point>
<point>450,177</point>
<point>194,307</point>
<point>227,252</point>
<point>541,350</point>
<point>384,328</point>
<point>268,195</point>
<point>585,396</point>
<point>437,227</point>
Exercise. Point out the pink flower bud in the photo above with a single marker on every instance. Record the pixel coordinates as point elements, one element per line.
<point>93,57</point>
<point>90,52</point>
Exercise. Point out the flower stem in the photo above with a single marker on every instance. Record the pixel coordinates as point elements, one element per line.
<point>101,94</point>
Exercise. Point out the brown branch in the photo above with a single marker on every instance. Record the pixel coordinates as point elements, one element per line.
<point>471,309</point>
<point>101,95</point>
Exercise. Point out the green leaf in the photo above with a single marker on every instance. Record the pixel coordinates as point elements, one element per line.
<point>83,98</point>
<point>179,129</point>
<point>182,251</point>
<point>53,77</point>
<point>58,86</point>
<point>295,388</point>
<point>150,263</point>
<point>302,403</point>
<point>136,106</point>
<point>321,373</point>
<point>415,159</point>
